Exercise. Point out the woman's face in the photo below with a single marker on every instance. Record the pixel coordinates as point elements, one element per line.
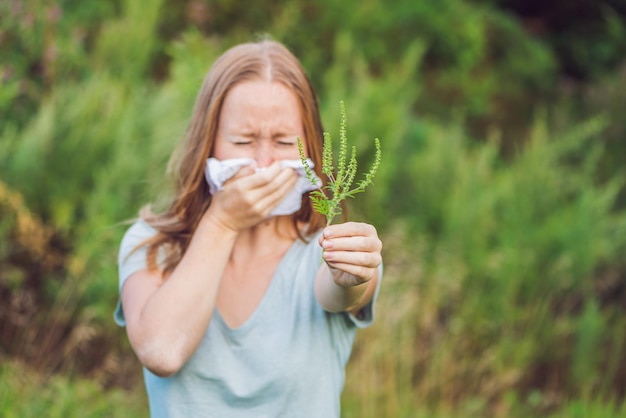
<point>259,120</point>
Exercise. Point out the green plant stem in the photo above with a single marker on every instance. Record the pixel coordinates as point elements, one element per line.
<point>327,200</point>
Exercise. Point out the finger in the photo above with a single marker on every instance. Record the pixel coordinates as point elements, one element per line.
<point>243,172</point>
<point>262,200</point>
<point>270,197</point>
<point>263,176</point>
<point>343,278</point>
<point>349,229</point>
<point>360,274</point>
<point>356,258</point>
<point>259,184</point>
<point>352,243</point>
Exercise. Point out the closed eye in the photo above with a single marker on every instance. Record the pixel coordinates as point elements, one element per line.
<point>285,140</point>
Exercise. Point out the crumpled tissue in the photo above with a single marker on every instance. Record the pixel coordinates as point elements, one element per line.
<point>219,171</point>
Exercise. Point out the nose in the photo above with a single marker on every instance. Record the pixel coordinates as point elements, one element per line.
<point>264,154</point>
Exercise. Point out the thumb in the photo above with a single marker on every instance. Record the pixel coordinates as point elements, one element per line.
<point>244,171</point>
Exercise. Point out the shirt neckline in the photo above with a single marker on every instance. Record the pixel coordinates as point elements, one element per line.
<point>251,321</point>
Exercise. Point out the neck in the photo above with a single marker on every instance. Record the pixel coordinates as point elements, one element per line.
<point>264,239</point>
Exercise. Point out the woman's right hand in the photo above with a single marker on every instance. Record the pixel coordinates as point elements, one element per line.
<point>248,197</point>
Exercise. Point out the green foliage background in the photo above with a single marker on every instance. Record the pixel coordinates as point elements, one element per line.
<point>500,198</point>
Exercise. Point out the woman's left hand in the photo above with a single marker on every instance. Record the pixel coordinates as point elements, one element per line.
<point>352,250</point>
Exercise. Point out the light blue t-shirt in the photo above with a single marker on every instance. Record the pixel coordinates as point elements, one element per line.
<point>286,360</point>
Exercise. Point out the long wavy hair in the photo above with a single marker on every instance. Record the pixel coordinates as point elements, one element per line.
<point>265,60</point>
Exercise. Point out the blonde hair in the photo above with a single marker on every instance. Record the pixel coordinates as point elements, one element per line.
<point>265,60</point>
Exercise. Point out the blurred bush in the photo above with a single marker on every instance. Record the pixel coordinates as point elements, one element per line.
<point>505,278</point>
<point>42,44</point>
<point>26,394</point>
<point>501,210</point>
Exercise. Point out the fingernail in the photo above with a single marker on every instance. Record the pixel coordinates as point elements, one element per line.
<point>327,244</point>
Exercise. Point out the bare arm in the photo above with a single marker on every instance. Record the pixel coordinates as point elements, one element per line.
<point>166,319</point>
<point>347,280</point>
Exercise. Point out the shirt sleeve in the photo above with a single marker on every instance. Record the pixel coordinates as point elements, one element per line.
<point>365,316</point>
<point>130,261</point>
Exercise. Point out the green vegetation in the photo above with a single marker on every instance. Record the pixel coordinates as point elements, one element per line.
<point>327,200</point>
<point>26,394</point>
<point>501,201</point>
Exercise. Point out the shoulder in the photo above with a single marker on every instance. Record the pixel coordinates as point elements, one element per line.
<point>139,230</point>
<point>137,233</point>
<point>132,256</point>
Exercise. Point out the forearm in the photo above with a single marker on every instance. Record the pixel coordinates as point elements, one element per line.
<point>175,316</point>
<point>335,298</point>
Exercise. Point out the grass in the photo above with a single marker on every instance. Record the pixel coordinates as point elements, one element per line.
<point>28,394</point>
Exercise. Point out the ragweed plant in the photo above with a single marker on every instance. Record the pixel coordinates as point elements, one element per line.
<point>327,199</point>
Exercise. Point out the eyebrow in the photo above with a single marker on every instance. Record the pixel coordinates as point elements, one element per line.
<point>253,135</point>
<point>241,134</point>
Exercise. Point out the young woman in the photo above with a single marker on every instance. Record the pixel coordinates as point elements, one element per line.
<point>233,311</point>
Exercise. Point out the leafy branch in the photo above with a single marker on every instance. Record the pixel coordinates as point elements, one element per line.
<point>327,199</point>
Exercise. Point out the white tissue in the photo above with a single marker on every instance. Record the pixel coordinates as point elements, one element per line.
<point>218,171</point>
